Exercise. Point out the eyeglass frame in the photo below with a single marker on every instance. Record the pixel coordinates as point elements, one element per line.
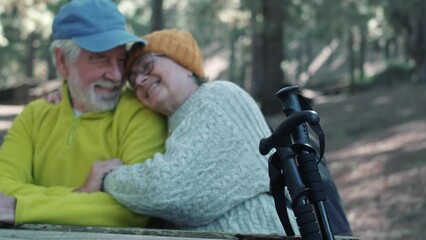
<point>146,69</point>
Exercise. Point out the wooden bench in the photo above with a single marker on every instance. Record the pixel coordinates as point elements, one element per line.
<point>47,231</point>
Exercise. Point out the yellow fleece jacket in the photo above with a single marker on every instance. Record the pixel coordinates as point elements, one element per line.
<point>48,152</point>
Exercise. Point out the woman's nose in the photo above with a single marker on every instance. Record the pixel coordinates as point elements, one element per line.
<point>140,79</point>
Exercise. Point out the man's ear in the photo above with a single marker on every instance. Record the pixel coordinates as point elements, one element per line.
<point>61,64</point>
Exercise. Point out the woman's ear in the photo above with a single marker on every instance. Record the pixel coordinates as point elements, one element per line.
<point>61,63</point>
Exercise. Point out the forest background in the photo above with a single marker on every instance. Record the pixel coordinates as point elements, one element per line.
<point>348,56</point>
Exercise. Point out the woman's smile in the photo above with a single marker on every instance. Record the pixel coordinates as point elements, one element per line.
<point>151,88</point>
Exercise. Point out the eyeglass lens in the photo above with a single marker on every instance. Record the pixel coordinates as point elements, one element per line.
<point>145,65</point>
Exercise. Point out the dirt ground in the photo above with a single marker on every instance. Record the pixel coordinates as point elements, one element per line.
<point>376,151</point>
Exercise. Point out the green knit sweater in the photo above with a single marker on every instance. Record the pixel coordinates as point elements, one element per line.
<point>48,152</point>
<point>212,176</point>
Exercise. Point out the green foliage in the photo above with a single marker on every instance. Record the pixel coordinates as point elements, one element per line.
<point>225,26</point>
<point>200,17</point>
<point>25,28</point>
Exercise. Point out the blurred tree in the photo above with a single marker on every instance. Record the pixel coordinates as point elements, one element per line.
<point>314,24</point>
<point>157,15</point>
<point>247,34</point>
<point>407,18</point>
<point>273,16</point>
<point>139,15</point>
<point>358,14</point>
<point>236,18</point>
<point>25,25</point>
<point>267,52</point>
<point>257,69</point>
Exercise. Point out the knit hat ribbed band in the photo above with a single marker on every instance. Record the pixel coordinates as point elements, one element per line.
<point>176,44</point>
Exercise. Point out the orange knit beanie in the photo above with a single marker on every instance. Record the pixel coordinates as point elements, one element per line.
<point>176,44</point>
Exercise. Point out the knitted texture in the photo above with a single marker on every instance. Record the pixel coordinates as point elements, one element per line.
<point>177,45</point>
<point>211,177</point>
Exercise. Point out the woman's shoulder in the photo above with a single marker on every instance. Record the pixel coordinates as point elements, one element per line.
<point>223,89</point>
<point>224,85</point>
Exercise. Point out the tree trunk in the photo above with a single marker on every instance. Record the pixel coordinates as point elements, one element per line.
<point>422,72</point>
<point>31,50</point>
<point>386,49</point>
<point>257,69</point>
<point>362,49</point>
<point>309,53</point>
<point>157,15</point>
<point>232,58</point>
<point>273,12</point>
<point>351,56</point>
<point>420,42</point>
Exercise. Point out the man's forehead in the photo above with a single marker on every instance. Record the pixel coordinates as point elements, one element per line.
<point>120,50</point>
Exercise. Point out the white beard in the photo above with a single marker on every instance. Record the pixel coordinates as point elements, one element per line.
<point>89,98</point>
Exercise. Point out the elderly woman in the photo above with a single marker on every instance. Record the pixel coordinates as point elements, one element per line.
<point>211,176</point>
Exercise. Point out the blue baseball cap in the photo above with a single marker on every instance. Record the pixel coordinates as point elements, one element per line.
<point>95,25</point>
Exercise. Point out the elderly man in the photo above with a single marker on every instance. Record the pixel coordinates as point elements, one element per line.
<point>50,149</point>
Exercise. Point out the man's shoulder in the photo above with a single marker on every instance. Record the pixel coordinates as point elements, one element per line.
<point>128,98</point>
<point>135,119</point>
<point>38,112</point>
<point>39,106</point>
<point>130,107</point>
<point>128,104</point>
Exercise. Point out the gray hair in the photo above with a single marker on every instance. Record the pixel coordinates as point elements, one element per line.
<point>70,49</point>
<point>200,80</point>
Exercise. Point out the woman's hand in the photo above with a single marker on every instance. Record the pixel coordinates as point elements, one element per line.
<point>98,172</point>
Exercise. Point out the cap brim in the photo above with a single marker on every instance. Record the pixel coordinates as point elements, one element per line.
<point>107,40</point>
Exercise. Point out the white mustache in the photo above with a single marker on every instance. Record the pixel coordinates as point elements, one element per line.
<point>107,84</point>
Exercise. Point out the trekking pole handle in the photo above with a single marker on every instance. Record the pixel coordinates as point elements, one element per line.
<point>290,103</point>
<point>281,135</point>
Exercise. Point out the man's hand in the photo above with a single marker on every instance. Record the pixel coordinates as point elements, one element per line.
<point>99,170</point>
<point>7,210</point>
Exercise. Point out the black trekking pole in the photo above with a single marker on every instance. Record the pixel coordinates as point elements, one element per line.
<point>294,165</point>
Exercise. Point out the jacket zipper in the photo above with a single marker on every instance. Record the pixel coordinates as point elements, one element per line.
<point>72,131</point>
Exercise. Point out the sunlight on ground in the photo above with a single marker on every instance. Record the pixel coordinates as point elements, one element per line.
<point>378,188</point>
<point>400,139</point>
<point>375,200</point>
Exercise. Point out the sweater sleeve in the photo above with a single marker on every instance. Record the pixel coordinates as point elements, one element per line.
<point>206,171</point>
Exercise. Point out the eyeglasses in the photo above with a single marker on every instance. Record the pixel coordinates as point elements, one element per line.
<point>145,65</point>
